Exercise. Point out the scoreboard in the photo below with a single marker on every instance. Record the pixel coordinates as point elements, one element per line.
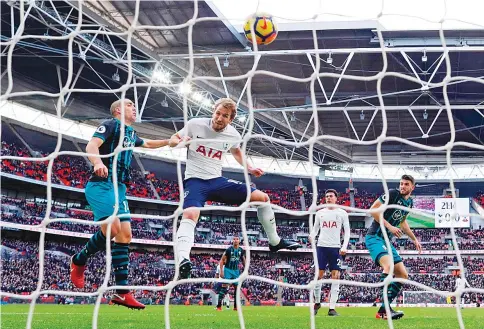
<point>449,212</point>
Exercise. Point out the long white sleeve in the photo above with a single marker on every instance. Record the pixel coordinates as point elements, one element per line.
<point>315,230</point>
<point>346,227</point>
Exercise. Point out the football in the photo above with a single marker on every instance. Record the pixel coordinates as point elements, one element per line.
<point>264,27</point>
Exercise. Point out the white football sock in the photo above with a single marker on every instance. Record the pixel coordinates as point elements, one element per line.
<point>266,217</point>
<point>334,295</point>
<point>317,292</point>
<point>185,236</point>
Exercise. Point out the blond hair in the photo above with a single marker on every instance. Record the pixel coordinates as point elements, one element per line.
<point>117,104</point>
<point>228,104</point>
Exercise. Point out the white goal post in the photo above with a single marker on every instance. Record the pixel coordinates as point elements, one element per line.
<point>137,76</point>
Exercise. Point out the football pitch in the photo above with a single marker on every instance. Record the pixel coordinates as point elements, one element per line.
<point>198,317</point>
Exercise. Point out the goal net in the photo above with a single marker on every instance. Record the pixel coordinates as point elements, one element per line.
<point>136,77</point>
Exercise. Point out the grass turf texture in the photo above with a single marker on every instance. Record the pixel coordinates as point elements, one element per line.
<point>197,317</point>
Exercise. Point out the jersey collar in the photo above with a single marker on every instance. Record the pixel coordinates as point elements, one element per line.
<point>125,125</point>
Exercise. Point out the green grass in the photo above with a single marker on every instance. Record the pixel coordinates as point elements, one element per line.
<point>420,221</point>
<point>197,317</point>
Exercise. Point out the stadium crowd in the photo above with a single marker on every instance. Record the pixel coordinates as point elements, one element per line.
<point>26,212</point>
<point>19,263</point>
<point>29,213</point>
<point>20,273</point>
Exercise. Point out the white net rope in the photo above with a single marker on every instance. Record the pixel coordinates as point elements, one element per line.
<point>26,8</point>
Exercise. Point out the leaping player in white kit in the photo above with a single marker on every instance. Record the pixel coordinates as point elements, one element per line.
<point>204,181</point>
<point>328,223</point>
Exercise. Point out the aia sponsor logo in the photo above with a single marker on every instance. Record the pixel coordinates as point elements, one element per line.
<point>209,152</point>
<point>329,224</point>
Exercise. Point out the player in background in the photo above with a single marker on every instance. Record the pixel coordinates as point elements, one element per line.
<point>217,287</point>
<point>100,195</point>
<point>204,181</point>
<point>328,223</point>
<point>229,269</point>
<point>391,218</point>
<point>464,283</point>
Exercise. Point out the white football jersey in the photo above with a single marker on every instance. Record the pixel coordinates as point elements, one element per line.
<point>459,282</point>
<point>218,269</point>
<point>205,159</point>
<point>328,223</point>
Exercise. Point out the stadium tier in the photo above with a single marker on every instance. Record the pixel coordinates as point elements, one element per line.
<point>20,268</point>
<point>156,267</point>
<point>21,211</point>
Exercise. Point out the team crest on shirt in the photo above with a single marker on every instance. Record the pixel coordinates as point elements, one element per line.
<point>397,214</point>
<point>101,129</point>
<point>128,142</point>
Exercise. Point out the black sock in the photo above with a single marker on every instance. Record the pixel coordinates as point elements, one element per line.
<point>383,276</point>
<point>120,259</point>
<point>393,291</point>
<point>96,243</point>
<point>221,294</point>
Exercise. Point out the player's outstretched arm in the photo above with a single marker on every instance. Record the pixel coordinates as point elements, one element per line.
<point>378,216</point>
<point>239,156</point>
<point>93,148</point>
<point>154,143</point>
<point>408,231</point>
<point>176,139</point>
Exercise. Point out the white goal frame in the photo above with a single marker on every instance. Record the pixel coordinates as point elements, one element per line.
<point>67,88</point>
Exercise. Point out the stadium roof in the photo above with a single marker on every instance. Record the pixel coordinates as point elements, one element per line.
<point>346,108</point>
<point>350,14</point>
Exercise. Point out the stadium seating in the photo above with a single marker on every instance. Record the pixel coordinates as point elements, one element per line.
<point>19,269</point>
<point>20,273</point>
<point>480,198</point>
<point>23,212</point>
<point>75,171</point>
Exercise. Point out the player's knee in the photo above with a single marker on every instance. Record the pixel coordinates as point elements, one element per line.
<point>191,213</point>
<point>124,237</point>
<point>335,275</point>
<point>385,268</point>
<point>259,196</point>
<point>115,229</point>
<point>402,275</point>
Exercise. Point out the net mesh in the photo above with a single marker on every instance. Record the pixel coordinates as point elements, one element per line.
<point>26,7</point>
